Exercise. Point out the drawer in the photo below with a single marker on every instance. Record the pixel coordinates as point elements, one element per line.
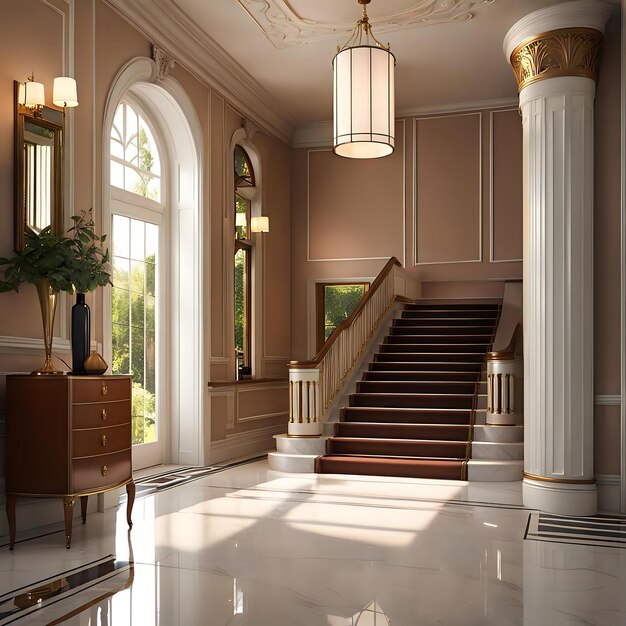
<point>100,415</point>
<point>99,472</point>
<point>100,389</point>
<point>92,441</point>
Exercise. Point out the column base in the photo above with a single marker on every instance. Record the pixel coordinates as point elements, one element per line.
<point>577,499</point>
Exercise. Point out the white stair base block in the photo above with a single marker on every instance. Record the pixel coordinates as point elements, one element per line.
<point>292,463</point>
<point>481,470</point>
<point>300,445</point>
<point>498,451</point>
<point>499,434</point>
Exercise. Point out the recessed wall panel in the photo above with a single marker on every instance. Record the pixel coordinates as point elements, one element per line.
<point>448,189</point>
<point>356,206</point>
<point>506,181</point>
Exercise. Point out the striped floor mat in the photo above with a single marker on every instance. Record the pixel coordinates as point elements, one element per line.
<point>596,530</point>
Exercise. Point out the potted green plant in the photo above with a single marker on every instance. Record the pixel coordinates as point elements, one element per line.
<point>55,263</point>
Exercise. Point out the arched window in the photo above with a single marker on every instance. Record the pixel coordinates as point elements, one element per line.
<point>137,314</point>
<point>244,180</point>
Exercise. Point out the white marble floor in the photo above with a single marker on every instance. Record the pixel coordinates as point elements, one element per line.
<point>249,546</point>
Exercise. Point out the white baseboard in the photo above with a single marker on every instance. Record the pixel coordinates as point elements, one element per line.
<point>242,444</point>
<point>609,492</point>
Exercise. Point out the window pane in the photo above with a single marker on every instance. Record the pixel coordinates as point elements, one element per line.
<point>241,307</point>
<point>242,214</point>
<point>134,309</point>
<point>339,302</point>
<point>117,174</point>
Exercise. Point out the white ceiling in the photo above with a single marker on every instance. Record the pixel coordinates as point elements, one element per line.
<point>288,46</point>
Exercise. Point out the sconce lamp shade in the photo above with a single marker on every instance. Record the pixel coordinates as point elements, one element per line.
<point>260,224</point>
<point>64,92</point>
<point>363,103</point>
<point>32,94</point>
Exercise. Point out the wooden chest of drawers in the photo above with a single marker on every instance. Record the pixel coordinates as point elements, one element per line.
<point>69,437</point>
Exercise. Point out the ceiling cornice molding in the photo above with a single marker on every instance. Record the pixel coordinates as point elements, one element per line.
<point>320,134</point>
<point>171,30</point>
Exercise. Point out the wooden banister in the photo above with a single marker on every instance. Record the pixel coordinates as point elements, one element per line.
<point>314,384</point>
<point>509,352</point>
<point>317,359</point>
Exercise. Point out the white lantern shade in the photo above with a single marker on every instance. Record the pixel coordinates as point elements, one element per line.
<point>32,94</point>
<point>260,224</point>
<point>364,102</point>
<point>64,92</point>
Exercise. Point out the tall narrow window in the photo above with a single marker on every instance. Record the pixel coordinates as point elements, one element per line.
<point>244,180</point>
<point>136,303</point>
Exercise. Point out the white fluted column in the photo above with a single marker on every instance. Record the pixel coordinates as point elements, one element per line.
<point>554,53</point>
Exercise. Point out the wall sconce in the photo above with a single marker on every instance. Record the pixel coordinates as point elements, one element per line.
<point>32,94</point>
<point>260,224</point>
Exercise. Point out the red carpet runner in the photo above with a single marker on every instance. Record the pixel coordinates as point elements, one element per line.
<point>412,413</point>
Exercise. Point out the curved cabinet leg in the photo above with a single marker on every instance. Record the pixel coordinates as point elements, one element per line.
<point>68,507</point>
<point>10,504</point>
<point>130,500</point>
<point>83,508</point>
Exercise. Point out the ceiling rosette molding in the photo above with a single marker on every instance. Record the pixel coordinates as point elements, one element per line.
<point>186,44</point>
<point>284,27</point>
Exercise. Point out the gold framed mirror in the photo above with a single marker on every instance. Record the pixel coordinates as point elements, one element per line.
<point>38,169</point>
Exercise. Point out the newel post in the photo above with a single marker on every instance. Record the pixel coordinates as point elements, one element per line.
<point>304,403</point>
<point>505,391</point>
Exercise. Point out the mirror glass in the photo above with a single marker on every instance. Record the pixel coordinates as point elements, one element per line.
<point>38,170</point>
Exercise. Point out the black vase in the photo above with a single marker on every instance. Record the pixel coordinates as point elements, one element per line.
<point>81,334</point>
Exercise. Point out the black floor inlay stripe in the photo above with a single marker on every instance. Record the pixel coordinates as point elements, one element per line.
<point>600,530</point>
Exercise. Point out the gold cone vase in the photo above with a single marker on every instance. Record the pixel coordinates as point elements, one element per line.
<point>48,303</point>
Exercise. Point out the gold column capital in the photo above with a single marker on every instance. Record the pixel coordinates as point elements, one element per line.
<point>561,52</point>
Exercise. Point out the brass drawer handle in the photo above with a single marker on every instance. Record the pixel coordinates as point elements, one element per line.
<point>105,389</point>
<point>104,440</point>
<point>104,415</point>
<point>104,470</point>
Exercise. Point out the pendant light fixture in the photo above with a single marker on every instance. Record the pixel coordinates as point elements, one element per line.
<point>363,90</point>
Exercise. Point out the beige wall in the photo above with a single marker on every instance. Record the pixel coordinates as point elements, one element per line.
<point>607,253</point>
<point>429,204</point>
<point>103,43</point>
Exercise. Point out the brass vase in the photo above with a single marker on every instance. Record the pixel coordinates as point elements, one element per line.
<point>48,303</point>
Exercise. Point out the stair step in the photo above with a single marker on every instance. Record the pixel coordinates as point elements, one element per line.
<point>441,376</point>
<point>459,322</point>
<point>423,365</point>
<point>434,348</point>
<point>381,466</point>
<point>386,415</point>
<point>450,315</point>
<point>440,331</point>
<point>373,430</point>
<point>407,386</point>
<point>397,447</point>
<point>456,306</point>
<point>413,400</point>
<point>431,357</point>
<point>418,339</point>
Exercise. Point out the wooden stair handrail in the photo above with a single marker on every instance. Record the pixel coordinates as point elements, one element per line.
<point>319,357</point>
<point>507,353</point>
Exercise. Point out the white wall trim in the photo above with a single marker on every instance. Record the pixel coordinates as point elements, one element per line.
<point>308,206</point>
<point>417,263</point>
<point>165,24</point>
<point>33,345</point>
<point>608,400</point>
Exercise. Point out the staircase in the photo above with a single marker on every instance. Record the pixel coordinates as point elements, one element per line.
<point>414,411</point>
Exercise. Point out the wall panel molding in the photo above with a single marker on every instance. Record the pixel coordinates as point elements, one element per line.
<point>480,189</point>
<point>492,114</point>
<point>308,207</point>
<point>608,400</point>
<point>240,444</point>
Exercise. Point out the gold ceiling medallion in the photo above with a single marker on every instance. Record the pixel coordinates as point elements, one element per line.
<point>562,52</point>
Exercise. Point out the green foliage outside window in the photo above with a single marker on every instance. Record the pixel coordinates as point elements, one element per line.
<point>240,302</point>
<point>146,162</point>
<point>339,302</point>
